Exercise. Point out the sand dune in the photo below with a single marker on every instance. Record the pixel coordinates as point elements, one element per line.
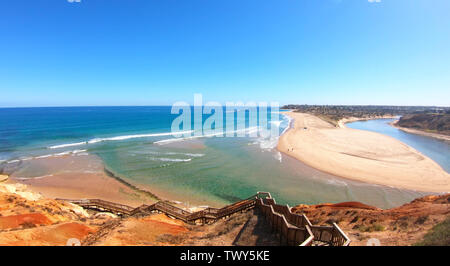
<point>361,155</point>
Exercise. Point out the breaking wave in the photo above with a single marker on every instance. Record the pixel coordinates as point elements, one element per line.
<point>118,138</point>
<point>247,130</point>
<point>170,159</point>
<point>74,152</point>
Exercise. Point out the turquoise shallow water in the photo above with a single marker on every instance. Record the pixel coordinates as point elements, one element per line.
<point>436,149</point>
<point>202,171</point>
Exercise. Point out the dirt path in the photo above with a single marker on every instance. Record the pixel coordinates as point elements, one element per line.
<point>102,233</point>
<point>256,232</point>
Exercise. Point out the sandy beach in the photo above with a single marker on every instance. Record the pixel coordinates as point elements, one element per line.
<point>84,177</point>
<point>361,155</point>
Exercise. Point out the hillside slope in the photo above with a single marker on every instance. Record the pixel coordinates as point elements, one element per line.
<point>404,225</point>
<point>435,123</point>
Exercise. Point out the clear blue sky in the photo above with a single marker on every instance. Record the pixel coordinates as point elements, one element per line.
<point>143,52</point>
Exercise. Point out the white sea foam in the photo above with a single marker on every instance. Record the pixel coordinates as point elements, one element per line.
<point>74,152</point>
<point>79,151</point>
<point>267,143</point>
<point>67,145</point>
<point>288,120</point>
<point>270,143</point>
<point>278,156</point>
<point>186,154</point>
<point>36,177</point>
<point>336,182</point>
<point>170,159</point>
<point>174,153</point>
<point>248,130</point>
<point>288,126</point>
<point>276,123</point>
<point>195,154</point>
<point>44,156</point>
<point>118,138</point>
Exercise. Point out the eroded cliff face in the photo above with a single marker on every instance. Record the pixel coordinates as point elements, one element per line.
<point>28,219</point>
<point>404,225</point>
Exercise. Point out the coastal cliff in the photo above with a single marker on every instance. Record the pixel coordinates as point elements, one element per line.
<point>404,225</point>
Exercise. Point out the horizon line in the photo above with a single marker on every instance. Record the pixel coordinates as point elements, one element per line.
<point>163,105</point>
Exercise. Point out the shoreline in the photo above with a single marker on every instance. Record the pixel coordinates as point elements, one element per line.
<point>346,120</point>
<point>128,184</point>
<point>98,182</point>
<point>357,155</point>
<point>421,132</point>
<point>77,182</point>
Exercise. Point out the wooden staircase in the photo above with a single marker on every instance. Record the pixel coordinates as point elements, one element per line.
<point>293,229</point>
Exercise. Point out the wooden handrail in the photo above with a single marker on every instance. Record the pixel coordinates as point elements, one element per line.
<point>310,239</point>
<point>294,229</point>
<point>293,235</point>
<point>341,238</point>
<point>331,235</point>
<point>163,206</point>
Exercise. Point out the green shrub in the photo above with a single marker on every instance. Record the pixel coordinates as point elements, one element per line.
<point>439,235</point>
<point>371,228</point>
<point>421,220</point>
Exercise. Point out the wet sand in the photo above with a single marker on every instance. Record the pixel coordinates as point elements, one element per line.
<point>361,155</point>
<point>79,177</point>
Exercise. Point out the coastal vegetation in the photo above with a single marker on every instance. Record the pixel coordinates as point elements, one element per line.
<point>424,221</point>
<point>371,228</point>
<point>334,113</point>
<point>439,235</point>
<point>430,122</point>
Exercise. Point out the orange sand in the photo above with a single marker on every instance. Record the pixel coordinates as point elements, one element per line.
<point>15,221</point>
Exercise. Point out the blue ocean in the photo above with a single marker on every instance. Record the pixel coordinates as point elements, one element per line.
<point>135,144</point>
